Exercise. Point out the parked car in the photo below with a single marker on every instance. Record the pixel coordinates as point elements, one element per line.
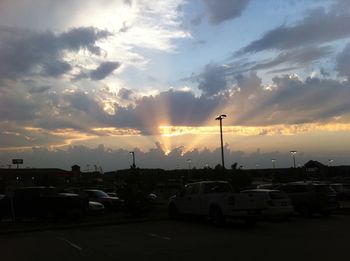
<point>42,202</point>
<point>342,191</point>
<point>309,198</point>
<point>279,204</point>
<point>96,208</point>
<point>216,201</point>
<point>268,186</point>
<point>110,203</point>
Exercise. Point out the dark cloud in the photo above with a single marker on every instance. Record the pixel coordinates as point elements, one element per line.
<point>41,89</point>
<point>213,79</point>
<point>176,107</point>
<point>317,27</point>
<point>83,38</point>
<point>56,68</point>
<point>343,62</point>
<point>292,101</point>
<point>16,106</point>
<point>103,70</point>
<point>125,94</point>
<point>22,52</point>
<point>223,10</point>
<point>302,57</point>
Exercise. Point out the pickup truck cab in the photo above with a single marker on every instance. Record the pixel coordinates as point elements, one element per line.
<point>217,201</point>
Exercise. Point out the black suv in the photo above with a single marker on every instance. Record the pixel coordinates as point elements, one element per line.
<point>311,197</point>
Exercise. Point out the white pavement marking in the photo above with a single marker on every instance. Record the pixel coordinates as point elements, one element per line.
<point>158,236</point>
<point>71,243</point>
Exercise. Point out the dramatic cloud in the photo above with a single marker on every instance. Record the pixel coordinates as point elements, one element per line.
<point>301,57</point>
<point>125,94</point>
<point>25,52</point>
<point>170,107</point>
<point>104,70</point>
<point>292,101</point>
<point>220,11</point>
<point>212,79</point>
<point>317,27</point>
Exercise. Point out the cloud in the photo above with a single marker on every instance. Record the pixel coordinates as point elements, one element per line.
<point>103,70</point>
<point>223,10</point>
<point>293,101</point>
<point>343,62</point>
<point>125,94</point>
<point>213,79</point>
<point>25,52</point>
<point>302,56</point>
<point>168,107</point>
<point>317,27</point>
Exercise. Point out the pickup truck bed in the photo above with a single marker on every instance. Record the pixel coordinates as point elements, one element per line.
<point>216,200</point>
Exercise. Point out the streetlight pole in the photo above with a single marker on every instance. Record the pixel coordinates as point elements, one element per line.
<point>330,161</point>
<point>273,163</point>
<point>219,118</point>
<point>293,152</point>
<point>189,164</point>
<point>133,159</point>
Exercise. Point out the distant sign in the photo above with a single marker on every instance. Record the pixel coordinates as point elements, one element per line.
<point>17,161</point>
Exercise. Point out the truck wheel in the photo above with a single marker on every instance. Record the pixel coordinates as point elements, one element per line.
<point>173,212</point>
<point>216,217</point>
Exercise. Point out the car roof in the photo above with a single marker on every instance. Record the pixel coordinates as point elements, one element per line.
<point>261,190</point>
<point>208,182</point>
<point>307,182</point>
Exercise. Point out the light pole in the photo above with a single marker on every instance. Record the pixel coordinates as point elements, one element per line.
<point>189,163</point>
<point>330,161</point>
<point>219,118</point>
<point>293,152</point>
<point>133,159</point>
<point>273,163</point>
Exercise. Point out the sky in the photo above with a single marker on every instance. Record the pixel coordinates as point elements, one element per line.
<point>86,82</point>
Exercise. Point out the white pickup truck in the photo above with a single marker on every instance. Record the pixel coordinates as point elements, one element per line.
<point>217,201</point>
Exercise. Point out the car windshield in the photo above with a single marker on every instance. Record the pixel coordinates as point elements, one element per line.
<point>100,194</point>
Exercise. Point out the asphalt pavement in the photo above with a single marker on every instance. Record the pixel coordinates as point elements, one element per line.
<point>316,238</point>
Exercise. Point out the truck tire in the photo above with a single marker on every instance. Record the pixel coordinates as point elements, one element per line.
<point>216,217</point>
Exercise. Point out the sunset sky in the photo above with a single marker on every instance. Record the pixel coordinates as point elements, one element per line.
<point>87,81</point>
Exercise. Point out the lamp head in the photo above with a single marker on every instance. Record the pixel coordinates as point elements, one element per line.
<point>220,117</point>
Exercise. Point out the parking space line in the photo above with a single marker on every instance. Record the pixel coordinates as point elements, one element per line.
<point>71,243</point>
<point>158,236</point>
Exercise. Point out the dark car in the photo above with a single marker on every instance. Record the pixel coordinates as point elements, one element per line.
<point>42,202</point>
<point>342,191</point>
<point>311,197</point>
<point>110,203</point>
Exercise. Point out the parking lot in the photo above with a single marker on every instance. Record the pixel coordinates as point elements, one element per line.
<point>315,238</point>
